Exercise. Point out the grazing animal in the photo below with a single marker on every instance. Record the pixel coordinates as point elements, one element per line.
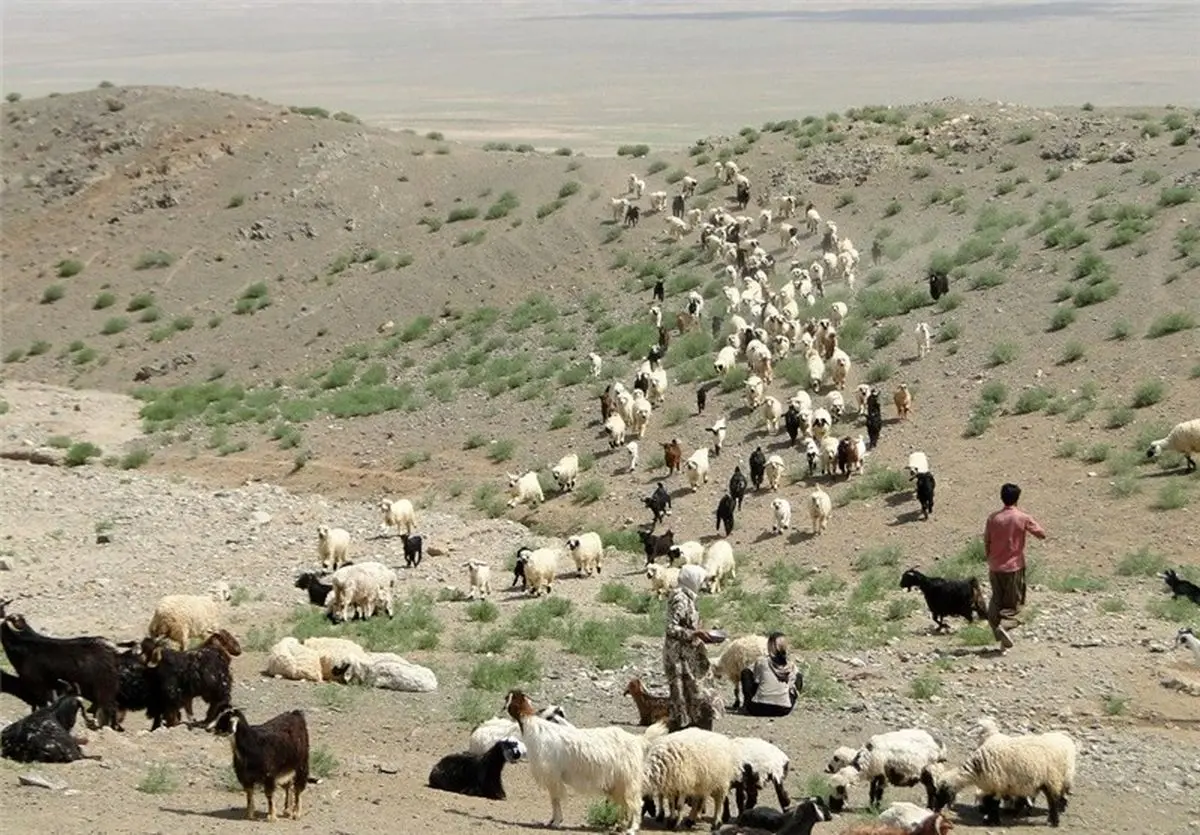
<point>474,774</point>
<point>902,397</point>
<point>658,503</point>
<point>758,467</point>
<point>737,486</point>
<point>651,708</point>
<point>269,755</point>
<point>701,399</point>
<point>1180,587</point>
<point>44,736</point>
<point>947,598</point>
<point>1184,438</point>
<point>925,486</point>
<point>902,758</point>
<point>673,456</point>
<point>725,514</point>
<point>317,586</point>
<point>656,546</point>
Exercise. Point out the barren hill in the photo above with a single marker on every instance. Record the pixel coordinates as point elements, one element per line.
<point>299,298</point>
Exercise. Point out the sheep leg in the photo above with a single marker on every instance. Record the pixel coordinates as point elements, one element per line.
<point>556,799</point>
<point>876,790</point>
<point>718,799</point>
<point>1053,805</point>
<point>990,807</point>
<point>781,795</point>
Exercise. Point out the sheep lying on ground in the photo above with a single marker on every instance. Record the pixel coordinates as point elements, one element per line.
<point>290,659</point>
<point>480,576</point>
<point>491,731</point>
<point>901,758</point>
<point>947,598</point>
<point>386,674</point>
<point>474,774</point>
<point>399,514</point>
<point>1183,438</point>
<point>316,583</point>
<point>334,652</point>
<point>586,549</point>
<point>525,489</point>
<point>181,617</point>
<point>907,816</point>
<point>931,824</point>
<point>361,588</point>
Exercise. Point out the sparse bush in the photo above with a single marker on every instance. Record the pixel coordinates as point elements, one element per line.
<point>154,260</point>
<point>53,293</point>
<point>141,301</point>
<point>461,213</point>
<point>1172,496</point>
<point>1031,400</point>
<point>136,458</point>
<point>506,203</point>
<point>105,299</point>
<point>39,347</point>
<point>1062,317</point>
<point>590,492</point>
<point>114,325</point>
<point>501,450</point>
<point>1003,353</point>
<point>635,151</point>
<point>1169,323</point>
<point>159,779</point>
<point>1176,196</point>
<point>69,268</point>
<point>1148,393</point>
<point>1119,417</point>
<point>1072,352</point>
<point>1022,136</point>
<point>1095,293</point>
<point>80,453</point>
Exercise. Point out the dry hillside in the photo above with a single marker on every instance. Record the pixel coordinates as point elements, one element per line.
<point>195,283</point>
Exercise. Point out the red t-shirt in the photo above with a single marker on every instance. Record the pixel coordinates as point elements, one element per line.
<point>1004,538</point>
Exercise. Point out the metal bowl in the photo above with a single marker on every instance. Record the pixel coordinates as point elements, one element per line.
<point>715,636</point>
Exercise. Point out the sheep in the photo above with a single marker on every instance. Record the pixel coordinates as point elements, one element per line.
<point>273,753</point>
<point>901,758</point>
<point>688,553</point>
<point>179,617</point>
<point>924,340</point>
<point>526,489</point>
<point>662,579</point>
<point>725,360</point>
<point>677,227</point>
<point>658,201</point>
<point>480,576</point>
<point>673,455</point>
<point>752,391</point>
<point>836,404</point>
<point>316,584</point>
<point>614,427</point>
<point>290,659</point>
<point>1180,587</point>
<point>605,760</point>
<point>566,472</point>
<point>618,205</point>
<point>718,564</point>
<point>491,731</point>
<point>586,549</point>
<point>632,449</point>
<point>772,410</point>
<point>651,708</point>
<point>783,515</point>
<point>44,736</point>
<point>1186,637</point>
<point>905,815</point>
<point>656,546</point>
<point>812,455</point>
<point>538,567</point>
<point>1014,766</point>
<point>762,763</point>
<point>926,484</point>
<point>333,546</point>
<point>812,219</point>
<point>659,504</point>
<point>334,653</point>
<point>862,392</point>
<point>398,514</point>
<point>725,514</point>
<point>1183,438</point>
<point>740,654</point>
<point>363,586</point>
<point>476,775</point>
<point>692,764</point>
<point>773,470</point>
<point>597,364</point>
<point>902,397</point>
<point>816,369</point>
<point>820,507</point>
<point>697,468</point>
<point>947,598</point>
<point>386,673</point>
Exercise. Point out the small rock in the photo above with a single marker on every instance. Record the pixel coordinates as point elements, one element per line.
<point>103,538</point>
<point>38,781</point>
<point>6,564</point>
<point>388,768</point>
<point>260,517</point>
<point>434,551</point>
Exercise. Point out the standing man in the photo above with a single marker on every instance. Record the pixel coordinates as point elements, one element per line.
<point>1004,542</point>
<point>685,661</point>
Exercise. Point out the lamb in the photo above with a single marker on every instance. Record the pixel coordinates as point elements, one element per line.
<point>718,432</point>
<point>605,760</point>
<point>662,579</point>
<point>1183,438</point>
<point>538,567</point>
<point>656,546</point>
<point>924,340</point>
<point>719,564</point>
<point>773,470</point>
<point>636,185</point>
<point>398,514</point>
<point>586,549</point>
<point>925,488</point>
<point>782,509</point>
<point>491,731</point>
<point>44,736</point>
<point>762,764</point>
<point>820,507</point>
<point>907,816</point>
<point>290,659</point>
<point>179,617</point>
<point>651,708</point>
<point>632,449</point>
<point>697,468</point>
<point>1014,766</point>
<point>659,504</point>
<point>363,587</point>
<point>476,775</point>
<point>902,397</point>
<point>273,753</point>
<point>901,758</point>
<point>695,765</point>
<point>333,546</point>
<point>566,472</point>
<point>597,364</point>
<point>740,654</point>
<point>386,673</point>
<point>689,553</point>
<point>1180,587</point>
<point>947,598</point>
<point>316,584</point>
<point>772,410</point>
<point>480,575</point>
<point>1186,637</point>
<point>527,489</point>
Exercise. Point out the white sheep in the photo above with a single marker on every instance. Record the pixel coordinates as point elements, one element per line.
<point>632,449</point>
<point>292,660</point>
<point>820,507</point>
<point>772,411</point>
<point>687,187</point>
<point>566,472</point>
<point>815,366</point>
<point>836,404</point>
<point>399,515</point>
<point>539,567</point>
<point>691,765</point>
<point>614,427</point>
<point>902,758</point>
<point>619,205</point>
<point>782,509</point>
<point>525,489</point>
<point>726,359</point>
<point>1183,438</point>
<point>739,654</point>
<point>1185,637</point>
<point>480,576</point>
<point>841,368</point>
<point>718,430</point>
<point>658,201</point>
<point>719,565</point>
<point>636,185</point>
<point>677,227</point>
<point>181,617</point>
<point>586,549</point>
<point>812,220</point>
<point>662,579</point>
<point>491,731</point>
<point>334,652</point>
<point>837,313</point>
<point>924,339</point>
<point>918,462</point>
<point>767,763</point>
<point>829,455</point>
<point>597,363</point>
<point>753,391</point>
<point>333,546</point>
<point>363,587</point>
<point>764,220</point>
<point>697,468</point>
<point>904,815</point>
<point>656,315</point>
<point>774,471</point>
<point>389,674</point>
<point>688,553</point>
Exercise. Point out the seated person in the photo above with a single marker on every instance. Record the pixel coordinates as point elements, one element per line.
<point>772,685</point>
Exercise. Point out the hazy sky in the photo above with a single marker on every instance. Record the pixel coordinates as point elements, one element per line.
<point>596,72</point>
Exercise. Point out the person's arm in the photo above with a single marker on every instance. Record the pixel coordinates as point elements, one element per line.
<point>987,536</point>
<point>675,616</point>
<point>1032,526</point>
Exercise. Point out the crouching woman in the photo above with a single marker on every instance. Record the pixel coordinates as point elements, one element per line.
<point>772,685</point>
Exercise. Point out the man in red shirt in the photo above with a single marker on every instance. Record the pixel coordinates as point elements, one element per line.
<point>1004,542</point>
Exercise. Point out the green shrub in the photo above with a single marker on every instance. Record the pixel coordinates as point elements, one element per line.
<point>69,268</point>
<point>1072,352</point>
<point>1169,323</point>
<point>80,453</point>
<point>1003,353</point>
<point>1062,317</point>
<point>154,260</point>
<point>635,151</point>
<point>114,325</point>
<point>462,213</point>
<point>1148,393</point>
<point>53,293</point>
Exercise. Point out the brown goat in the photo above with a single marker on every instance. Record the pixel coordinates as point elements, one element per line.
<point>903,400</point>
<point>608,404</point>
<point>673,456</point>
<point>935,824</point>
<point>651,708</point>
<point>267,755</point>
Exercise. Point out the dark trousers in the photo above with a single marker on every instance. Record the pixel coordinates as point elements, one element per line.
<point>752,708</point>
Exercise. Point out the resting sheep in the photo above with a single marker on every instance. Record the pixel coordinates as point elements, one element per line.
<point>476,775</point>
<point>586,549</point>
<point>334,652</point>
<point>180,617</point>
<point>333,546</point>
<point>292,660</point>
<point>386,674</point>
<point>525,489</point>
<point>316,583</point>
<point>1183,438</point>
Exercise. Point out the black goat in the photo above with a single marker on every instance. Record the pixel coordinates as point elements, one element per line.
<point>659,290</point>
<point>136,683</point>
<point>268,754</point>
<point>678,207</point>
<point>1180,587</point>
<point>44,736</point>
<point>632,215</point>
<point>414,549</point>
<point>659,503</point>
<point>874,419</point>
<point>939,284</point>
<point>947,598</point>
<point>656,546</point>
<point>925,487</point>
<point>20,689</point>
<point>799,820</point>
<point>758,467</point>
<point>168,683</point>
<point>791,422</point>
<point>725,514</point>
<point>743,195</point>
<point>701,399</point>
<point>42,662</point>
<point>737,486</point>
<point>876,251</point>
<point>477,775</point>
<point>207,675</point>
<point>315,583</point>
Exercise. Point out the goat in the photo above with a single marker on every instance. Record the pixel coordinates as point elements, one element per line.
<point>656,546</point>
<point>478,775</point>
<point>44,736</point>
<point>317,585</point>
<point>658,503</point>
<point>414,550</point>
<point>268,755</point>
<point>946,598</point>
<point>1180,587</point>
